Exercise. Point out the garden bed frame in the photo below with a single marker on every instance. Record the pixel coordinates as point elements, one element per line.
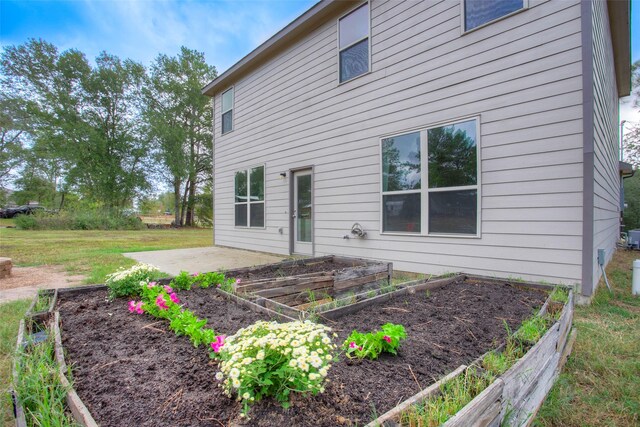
<point>295,291</point>
<point>514,397</point>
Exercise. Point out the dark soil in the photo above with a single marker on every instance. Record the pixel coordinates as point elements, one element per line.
<point>269,271</point>
<point>155,378</point>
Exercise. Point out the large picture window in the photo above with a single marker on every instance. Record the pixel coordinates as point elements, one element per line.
<point>353,43</point>
<point>430,180</point>
<point>480,12</point>
<point>249,197</point>
<point>227,111</point>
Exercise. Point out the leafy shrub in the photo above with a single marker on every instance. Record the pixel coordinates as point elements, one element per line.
<point>184,281</point>
<point>79,220</point>
<point>372,344</point>
<point>126,282</point>
<point>274,359</point>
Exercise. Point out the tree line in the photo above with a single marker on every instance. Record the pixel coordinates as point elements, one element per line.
<point>102,135</point>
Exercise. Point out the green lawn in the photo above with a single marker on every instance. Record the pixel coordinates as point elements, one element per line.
<point>600,384</point>
<point>94,253</point>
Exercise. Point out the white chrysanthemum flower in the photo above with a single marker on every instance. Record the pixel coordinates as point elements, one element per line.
<point>234,373</point>
<point>219,376</point>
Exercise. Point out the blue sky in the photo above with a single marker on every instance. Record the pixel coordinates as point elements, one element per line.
<point>225,30</point>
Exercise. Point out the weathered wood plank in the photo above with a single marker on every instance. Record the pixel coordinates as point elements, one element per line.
<point>566,352</point>
<point>362,280</point>
<point>253,306</point>
<point>416,398</point>
<point>481,410</point>
<point>525,412</point>
<point>301,297</point>
<point>280,282</point>
<point>21,420</point>
<point>433,284</point>
<point>290,312</point>
<point>282,264</point>
<point>338,312</point>
<point>309,304</point>
<point>518,283</point>
<point>356,272</point>
<point>525,371</point>
<point>300,286</point>
<point>80,289</point>
<point>566,319</point>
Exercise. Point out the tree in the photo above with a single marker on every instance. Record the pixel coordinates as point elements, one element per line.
<point>13,124</point>
<point>86,119</point>
<point>179,122</point>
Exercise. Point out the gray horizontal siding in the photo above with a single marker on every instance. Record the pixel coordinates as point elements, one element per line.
<point>606,188</point>
<point>521,76</point>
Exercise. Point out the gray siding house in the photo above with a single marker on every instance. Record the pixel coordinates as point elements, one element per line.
<point>451,136</point>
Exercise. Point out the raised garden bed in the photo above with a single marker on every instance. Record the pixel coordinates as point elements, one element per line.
<point>307,282</point>
<point>129,367</point>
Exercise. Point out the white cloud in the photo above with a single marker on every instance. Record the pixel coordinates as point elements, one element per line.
<point>629,111</point>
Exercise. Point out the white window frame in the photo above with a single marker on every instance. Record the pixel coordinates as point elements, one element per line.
<point>339,50</point>
<point>248,202</point>
<point>232,109</point>
<point>463,14</point>
<point>424,182</point>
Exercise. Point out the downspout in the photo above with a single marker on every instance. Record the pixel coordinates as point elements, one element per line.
<point>587,287</point>
<point>213,170</point>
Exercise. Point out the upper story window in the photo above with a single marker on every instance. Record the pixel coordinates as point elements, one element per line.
<point>227,111</point>
<point>353,43</point>
<point>480,12</point>
<point>436,193</point>
<point>249,197</point>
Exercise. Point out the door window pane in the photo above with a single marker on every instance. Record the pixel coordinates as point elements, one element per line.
<point>257,184</point>
<point>452,155</point>
<point>256,212</point>
<point>303,208</point>
<point>241,215</point>
<point>453,212</point>
<point>227,121</point>
<point>354,26</point>
<point>478,12</point>
<point>241,186</point>
<point>401,213</point>
<point>354,60</point>
<point>401,162</point>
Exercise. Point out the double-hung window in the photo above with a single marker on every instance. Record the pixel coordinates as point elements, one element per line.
<point>480,12</point>
<point>249,197</point>
<point>430,180</point>
<point>227,111</point>
<point>353,43</point>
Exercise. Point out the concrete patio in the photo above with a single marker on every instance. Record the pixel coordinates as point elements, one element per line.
<point>200,260</point>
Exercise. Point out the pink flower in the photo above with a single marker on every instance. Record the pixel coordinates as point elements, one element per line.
<point>218,285</point>
<point>161,303</point>
<point>352,344</point>
<point>151,284</point>
<point>387,338</point>
<point>174,298</point>
<point>168,289</point>
<point>195,274</point>
<point>360,348</point>
<point>136,307</point>
<point>218,343</point>
<point>238,281</point>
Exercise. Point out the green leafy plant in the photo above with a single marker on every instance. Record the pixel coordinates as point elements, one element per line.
<point>127,282</point>
<point>183,281</point>
<point>370,345</point>
<point>275,359</point>
<point>560,294</point>
<point>162,302</point>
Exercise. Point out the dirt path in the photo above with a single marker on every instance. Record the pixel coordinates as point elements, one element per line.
<point>25,281</point>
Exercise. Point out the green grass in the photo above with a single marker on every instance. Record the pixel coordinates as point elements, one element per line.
<point>7,222</point>
<point>94,253</point>
<point>10,315</point>
<point>39,389</point>
<point>600,384</point>
<point>455,394</point>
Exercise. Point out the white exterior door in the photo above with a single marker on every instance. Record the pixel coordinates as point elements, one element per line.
<point>302,212</point>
